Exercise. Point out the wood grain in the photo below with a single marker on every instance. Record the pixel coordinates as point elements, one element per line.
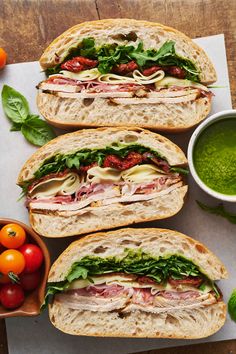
<point>27,27</point>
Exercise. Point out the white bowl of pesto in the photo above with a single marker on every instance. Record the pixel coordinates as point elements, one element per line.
<point>212,155</point>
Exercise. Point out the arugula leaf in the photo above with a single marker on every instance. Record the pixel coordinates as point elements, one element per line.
<point>109,55</point>
<point>141,56</point>
<point>218,210</point>
<point>54,70</point>
<point>181,170</point>
<point>14,105</point>
<point>51,291</point>
<point>76,273</point>
<point>232,305</point>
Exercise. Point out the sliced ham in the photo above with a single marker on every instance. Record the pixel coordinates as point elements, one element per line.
<point>92,303</point>
<point>115,297</point>
<point>105,198</point>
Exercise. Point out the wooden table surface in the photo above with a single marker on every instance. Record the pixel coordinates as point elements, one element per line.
<point>28,26</point>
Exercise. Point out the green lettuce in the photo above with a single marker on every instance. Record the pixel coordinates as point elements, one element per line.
<point>134,262</point>
<point>109,55</point>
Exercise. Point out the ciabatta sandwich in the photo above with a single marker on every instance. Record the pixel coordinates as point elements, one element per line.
<point>125,72</point>
<point>137,283</point>
<point>102,178</point>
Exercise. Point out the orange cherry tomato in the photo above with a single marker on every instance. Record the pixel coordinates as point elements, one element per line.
<point>4,279</point>
<point>12,236</point>
<point>12,261</point>
<point>3,58</point>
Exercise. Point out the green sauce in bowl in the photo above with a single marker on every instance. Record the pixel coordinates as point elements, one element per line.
<point>214,156</point>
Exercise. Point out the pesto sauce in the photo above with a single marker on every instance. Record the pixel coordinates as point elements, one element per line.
<point>214,156</point>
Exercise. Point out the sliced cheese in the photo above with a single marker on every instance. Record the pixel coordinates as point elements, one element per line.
<point>142,173</point>
<point>151,79</point>
<point>136,174</point>
<point>84,75</point>
<point>98,174</point>
<point>65,185</point>
<point>127,281</point>
<point>169,81</point>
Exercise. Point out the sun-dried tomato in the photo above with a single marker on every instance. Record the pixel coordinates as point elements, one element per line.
<point>78,64</point>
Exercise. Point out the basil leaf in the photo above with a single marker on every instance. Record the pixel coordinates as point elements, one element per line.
<point>232,305</point>
<point>37,131</point>
<point>16,127</point>
<point>218,210</point>
<point>14,104</point>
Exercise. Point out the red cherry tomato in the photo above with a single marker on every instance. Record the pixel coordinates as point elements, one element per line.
<point>12,236</point>
<point>30,281</point>
<point>3,58</point>
<point>12,261</point>
<point>33,257</point>
<point>11,296</point>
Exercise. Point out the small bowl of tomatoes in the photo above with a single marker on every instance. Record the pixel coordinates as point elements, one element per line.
<point>24,267</point>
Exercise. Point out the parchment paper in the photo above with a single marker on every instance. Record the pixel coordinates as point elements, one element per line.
<point>36,335</point>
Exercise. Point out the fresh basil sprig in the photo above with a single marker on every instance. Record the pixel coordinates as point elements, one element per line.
<point>16,108</point>
<point>218,210</point>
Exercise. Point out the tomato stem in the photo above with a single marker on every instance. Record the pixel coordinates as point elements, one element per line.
<point>12,233</point>
<point>14,278</point>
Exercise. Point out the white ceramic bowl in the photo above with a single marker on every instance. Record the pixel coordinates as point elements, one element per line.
<point>212,119</point>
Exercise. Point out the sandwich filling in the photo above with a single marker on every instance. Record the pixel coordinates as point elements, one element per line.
<point>135,282</point>
<point>125,74</point>
<point>90,178</point>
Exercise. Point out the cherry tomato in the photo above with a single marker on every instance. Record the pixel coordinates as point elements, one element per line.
<point>3,58</point>
<point>12,261</point>
<point>11,296</point>
<point>30,281</point>
<point>4,279</point>
<point>33,257</point>
<point>12,236</point>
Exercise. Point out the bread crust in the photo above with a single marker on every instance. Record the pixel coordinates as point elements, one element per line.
<point>197,322</point>
<point>70,113</point>
<point>87,138</point>
<point>71,37</point>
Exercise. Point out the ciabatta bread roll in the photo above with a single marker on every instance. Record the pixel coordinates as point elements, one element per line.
<point>151,283</point>
<point>102,178</point>
<point>119,72</point>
